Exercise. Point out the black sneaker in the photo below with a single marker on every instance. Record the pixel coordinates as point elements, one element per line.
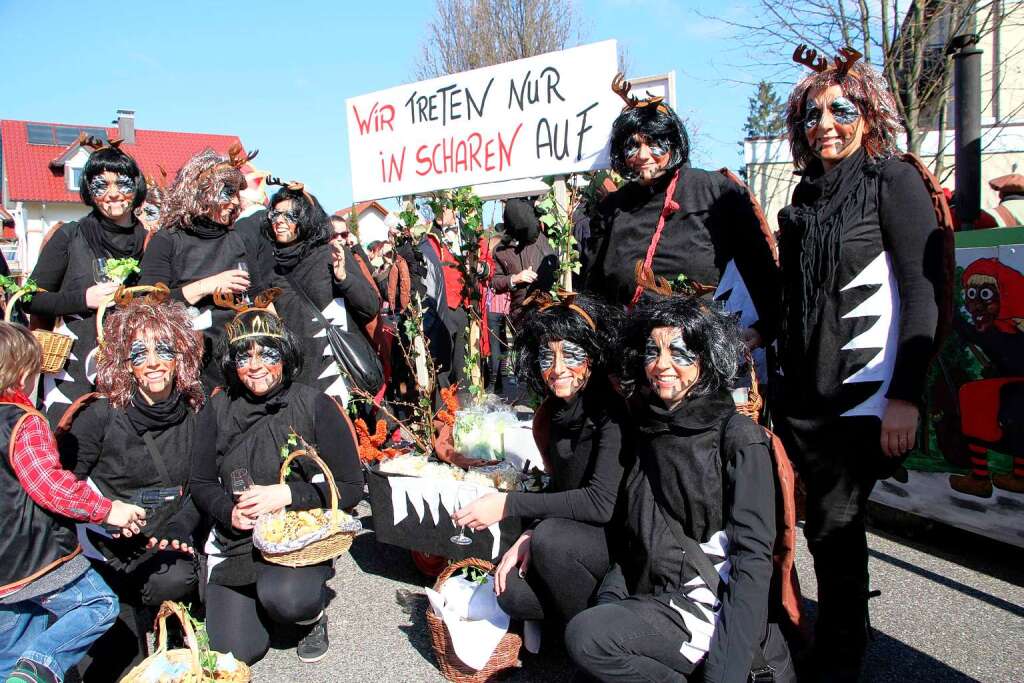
<point>314,645</point>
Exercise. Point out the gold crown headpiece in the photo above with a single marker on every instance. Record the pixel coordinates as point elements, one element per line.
<point>251,320</point>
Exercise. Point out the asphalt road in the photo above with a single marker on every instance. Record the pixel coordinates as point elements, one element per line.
<point>951,609</point>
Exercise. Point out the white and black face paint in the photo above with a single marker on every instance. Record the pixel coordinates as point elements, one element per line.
<point>226,194</point>
<point>151,212</point>
<point>138,354</point>
<point>842,109</point>
<point>679,352</point>
<point>99,186</point>
<point>268,356</point>
<point>656,147</point>
<point>573,355</point>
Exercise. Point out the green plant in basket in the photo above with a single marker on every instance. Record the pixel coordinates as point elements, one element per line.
<point>207,656</point>
<point>290,444</point>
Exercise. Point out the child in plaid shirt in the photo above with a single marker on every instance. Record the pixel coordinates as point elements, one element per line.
<point>44,575</point>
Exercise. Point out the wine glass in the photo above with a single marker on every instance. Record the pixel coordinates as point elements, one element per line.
<point>240,482</point>
<point>463,496</point>
<point>99,271</point>
<point>244,267</point>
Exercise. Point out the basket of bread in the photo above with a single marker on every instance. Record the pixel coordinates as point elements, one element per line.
<point>296,538</point>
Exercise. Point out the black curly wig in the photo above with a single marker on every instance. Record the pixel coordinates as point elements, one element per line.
<point>662,127</point>
<point>708,331</point>
<point>560,322</point>
<point>287,344</point>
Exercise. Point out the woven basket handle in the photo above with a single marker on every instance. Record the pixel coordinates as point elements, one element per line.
<point>167,609</point>
<point>121,293</point>
<point>9,308</point>
<point>456,566</point>
<point>327,475</point>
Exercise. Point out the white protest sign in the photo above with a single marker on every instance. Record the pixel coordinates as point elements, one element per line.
<point>543,115</point>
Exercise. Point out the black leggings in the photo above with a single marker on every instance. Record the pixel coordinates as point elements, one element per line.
<point>165,576</point>
<point>567,561</point>
<point>238,618</point>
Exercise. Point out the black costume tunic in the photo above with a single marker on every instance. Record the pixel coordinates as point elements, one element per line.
<point>250,434</point>
<point>718,489</point>
<point>714,237</point>
<point>348,304</point>
<point>65,270</point>
<point>180,256</point>
<point>107,446</point>
<point>584,459</point>
<point>861,259</point>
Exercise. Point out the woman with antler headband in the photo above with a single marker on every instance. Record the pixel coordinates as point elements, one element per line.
<point>701,231</point>
<point>151,211</point>
<point>862,266</point>
<point>70,271</point>
<point>134,441</point>
<point>314,271</point>
<point>554,568</point>
<point>198,254</point>
<point>257,414</point>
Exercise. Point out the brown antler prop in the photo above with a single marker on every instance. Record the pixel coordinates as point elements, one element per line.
<point>291,186</point>
<point>267,297</point>
<point>621,87</point>
<point>845,59</point>
<point>227,300</point>
<point>237,156</point>
<point>803,55</point>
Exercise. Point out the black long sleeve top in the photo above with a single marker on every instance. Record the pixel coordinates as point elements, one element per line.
<point>714,225</point>
<point>692,478</point>
<point>104,445</point>
<point>585,459</point>
<point>65,265</point>
<point>866,331</point>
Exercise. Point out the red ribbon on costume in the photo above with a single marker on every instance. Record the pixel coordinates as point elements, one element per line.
<point>670,207</point>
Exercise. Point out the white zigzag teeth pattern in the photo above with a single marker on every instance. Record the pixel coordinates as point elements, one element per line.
<point>883,334</point>
<point>337,315</point>
<point>707,603</point>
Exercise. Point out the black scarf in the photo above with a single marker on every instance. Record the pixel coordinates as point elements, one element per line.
<point>811,238</point>
<point>693,414</point>
<point>107,239</point>
<point>246,410</point>
<point>206,229</point>
<point>287,256</point>
<point>159,416</point>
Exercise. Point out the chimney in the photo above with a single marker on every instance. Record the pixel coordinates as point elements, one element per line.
<point>126,125</point>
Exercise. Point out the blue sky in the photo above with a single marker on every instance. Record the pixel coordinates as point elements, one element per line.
<point>277,74</point>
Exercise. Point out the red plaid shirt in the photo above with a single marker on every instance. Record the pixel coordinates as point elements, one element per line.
<point>36,463</point>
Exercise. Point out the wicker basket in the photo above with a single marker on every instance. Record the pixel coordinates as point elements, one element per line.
<point>754,403</point>
<point>56,347</point>
<point>505,656</point>
<point>188,654</point>
<point>331,546</point>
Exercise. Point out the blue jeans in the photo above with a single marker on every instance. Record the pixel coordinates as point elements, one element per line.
<point>84,610</point>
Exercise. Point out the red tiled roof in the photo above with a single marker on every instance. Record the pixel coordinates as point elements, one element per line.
<point>362,207</point>
<point>27,167</point>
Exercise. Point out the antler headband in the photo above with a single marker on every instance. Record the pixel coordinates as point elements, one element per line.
<point>291,186</point>
<point>842,62</point>
<point>237,158</point>
<point>96,144</point>
<point>544,301</point>
<point>622,87</point>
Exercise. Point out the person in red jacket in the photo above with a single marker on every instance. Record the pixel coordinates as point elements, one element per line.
<point>455,289</point>
<point>44,577</point>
